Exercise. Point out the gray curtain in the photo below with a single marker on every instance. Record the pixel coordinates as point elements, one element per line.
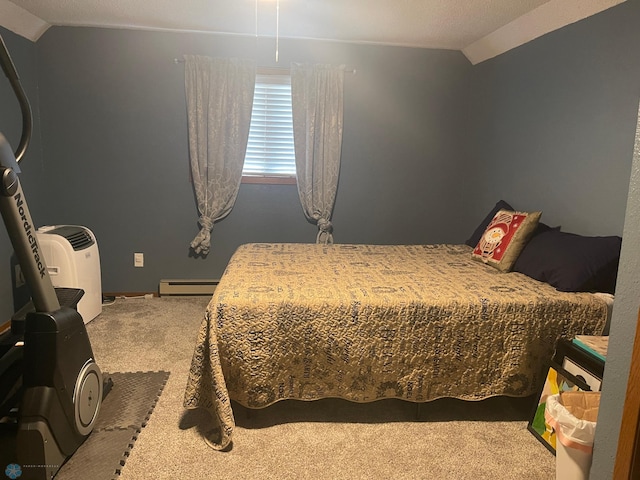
<point>317,106</point>
<point>219,102</point>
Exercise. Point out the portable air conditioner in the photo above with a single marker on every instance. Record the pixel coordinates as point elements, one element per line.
<point>73,261</point>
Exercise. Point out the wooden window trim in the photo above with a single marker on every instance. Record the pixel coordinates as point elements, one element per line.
<point>269,180</point>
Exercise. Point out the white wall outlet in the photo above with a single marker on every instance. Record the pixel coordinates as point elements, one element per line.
<point>138,259</point>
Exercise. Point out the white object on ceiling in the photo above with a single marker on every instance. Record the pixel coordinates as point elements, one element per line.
<point>481,29</point>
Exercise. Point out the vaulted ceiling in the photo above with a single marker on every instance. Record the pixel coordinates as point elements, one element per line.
<point>481,29</point>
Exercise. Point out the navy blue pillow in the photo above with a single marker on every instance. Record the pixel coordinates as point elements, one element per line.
<point>477,235</point>
<point>570,262</point>
<point>542,227</point>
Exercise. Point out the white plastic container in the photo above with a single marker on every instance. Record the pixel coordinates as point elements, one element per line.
<point>574,440</point>
<point>572,463</point>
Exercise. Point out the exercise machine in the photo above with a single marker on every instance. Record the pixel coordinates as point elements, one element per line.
<point>62,386</point>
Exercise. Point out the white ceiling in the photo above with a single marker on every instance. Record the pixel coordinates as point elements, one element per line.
<point>481,29</point>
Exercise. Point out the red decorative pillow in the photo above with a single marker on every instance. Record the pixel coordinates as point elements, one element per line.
<point>477,233</point>
<point>505,237</point>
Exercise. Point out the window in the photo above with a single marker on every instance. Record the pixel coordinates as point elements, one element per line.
<point>270,156</point>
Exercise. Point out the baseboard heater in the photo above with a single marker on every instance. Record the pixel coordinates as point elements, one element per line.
<point>187,287</point>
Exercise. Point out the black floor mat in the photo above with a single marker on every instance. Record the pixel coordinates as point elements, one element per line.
<point>123,414</point>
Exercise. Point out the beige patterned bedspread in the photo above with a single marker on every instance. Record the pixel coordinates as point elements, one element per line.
<point>365,322</point>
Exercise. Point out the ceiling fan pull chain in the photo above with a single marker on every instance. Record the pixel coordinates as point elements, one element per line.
<point>277,28</point>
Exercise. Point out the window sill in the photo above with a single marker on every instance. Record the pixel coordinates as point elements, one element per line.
<point>270,180</point>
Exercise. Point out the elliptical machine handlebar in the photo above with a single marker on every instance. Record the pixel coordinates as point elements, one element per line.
<point>13,204</point>
<point>27,122</point>
<point>17,220</point>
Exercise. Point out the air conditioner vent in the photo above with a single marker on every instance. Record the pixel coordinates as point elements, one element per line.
<point>78,237</point>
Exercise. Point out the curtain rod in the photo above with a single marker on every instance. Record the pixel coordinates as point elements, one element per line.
<point>269,69</point>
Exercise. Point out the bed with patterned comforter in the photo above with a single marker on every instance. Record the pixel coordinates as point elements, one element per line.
<point>366,322</point>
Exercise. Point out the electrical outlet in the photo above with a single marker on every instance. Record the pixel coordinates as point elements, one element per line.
<point>138,259</point>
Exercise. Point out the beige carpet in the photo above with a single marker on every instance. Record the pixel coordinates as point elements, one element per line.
<point>328,439</point>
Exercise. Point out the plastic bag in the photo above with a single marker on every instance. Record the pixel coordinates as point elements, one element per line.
<point>572,415</point>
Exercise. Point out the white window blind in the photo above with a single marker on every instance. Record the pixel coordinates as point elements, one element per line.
<point>270,150</point>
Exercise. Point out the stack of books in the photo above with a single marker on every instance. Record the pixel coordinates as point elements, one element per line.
<point>595,345</point>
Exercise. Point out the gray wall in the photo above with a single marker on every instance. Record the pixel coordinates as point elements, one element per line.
<point>556,123</point>
<point>622,333</point>
<point>116,154</point>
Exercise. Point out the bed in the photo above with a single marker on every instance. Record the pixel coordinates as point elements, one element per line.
<point>368,322</point>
